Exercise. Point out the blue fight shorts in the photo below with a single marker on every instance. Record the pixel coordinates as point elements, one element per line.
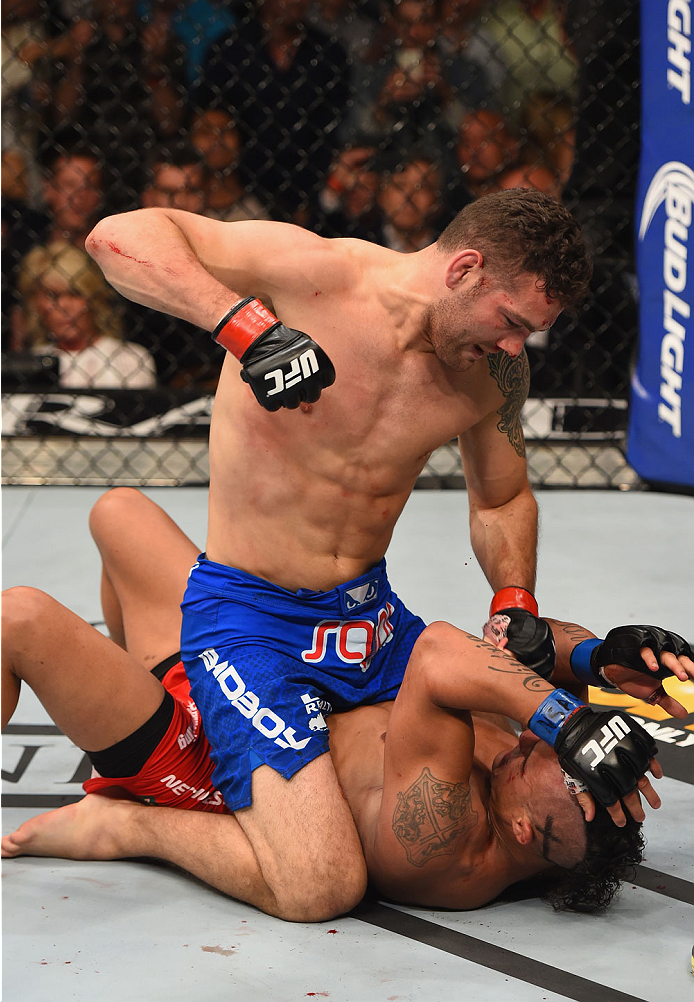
<point>266,665</point>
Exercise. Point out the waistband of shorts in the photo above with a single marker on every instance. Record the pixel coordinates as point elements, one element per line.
<point>363,592</point>
<point>160,670</point>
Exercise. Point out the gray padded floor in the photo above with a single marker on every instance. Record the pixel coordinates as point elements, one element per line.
<point>120,930</point>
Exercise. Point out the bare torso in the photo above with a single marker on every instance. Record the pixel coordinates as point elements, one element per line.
<point>309,498</point>
<point>468,877</point>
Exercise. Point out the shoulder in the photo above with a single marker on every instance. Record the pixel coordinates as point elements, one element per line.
<point>502,389</point>
<point>336,264</point>
<point>510,375</point>
<point>498,384</point>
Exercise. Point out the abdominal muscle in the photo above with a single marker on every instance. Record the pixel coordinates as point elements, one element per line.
<point>307,498</point>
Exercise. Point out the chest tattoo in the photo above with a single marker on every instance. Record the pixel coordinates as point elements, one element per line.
<point>431,816</point>
<point>512,376</point>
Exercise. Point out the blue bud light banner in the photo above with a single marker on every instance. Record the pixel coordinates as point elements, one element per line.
<point>661,423</point>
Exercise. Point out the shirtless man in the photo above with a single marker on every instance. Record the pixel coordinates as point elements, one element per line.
<point>423,347</point>
<point>450,808</point>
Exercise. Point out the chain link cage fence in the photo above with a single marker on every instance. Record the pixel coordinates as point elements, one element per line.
<point>377,119</point>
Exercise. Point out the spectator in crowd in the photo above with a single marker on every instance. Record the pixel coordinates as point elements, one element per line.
<point>73,197</point>
<point>22,227</point>
<point>413,90</point>
<point>29,55</point>
<point>410,200</point>
<point>217,142</point>
<point>351,22</point>
<point>176,181</point>
<point>288,86</point>
<point>73,191</point>
<point>348,203</point>
<point>70,311</point>
<point>169,113</point>
<point>549,122</point>
<point>529,175</point>
<point>462,33</point>
<point>183,357</point>
<point>529,37</point>
<point>122,89</point>
<point>486,146</point>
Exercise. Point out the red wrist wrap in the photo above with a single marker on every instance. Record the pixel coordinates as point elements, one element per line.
<point>239,328</point>
<point>513,598</point>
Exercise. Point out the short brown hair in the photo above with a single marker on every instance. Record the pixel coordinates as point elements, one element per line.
<point>522,230</point>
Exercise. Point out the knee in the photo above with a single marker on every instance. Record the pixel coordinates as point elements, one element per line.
<point>112,509</point>
<point>323,900</point>
<point>22,608</point>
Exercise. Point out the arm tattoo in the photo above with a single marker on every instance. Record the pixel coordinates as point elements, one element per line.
<point>431,816</point>
<point>575,633</point>
<point>512,376</point>
<point>507,664</point>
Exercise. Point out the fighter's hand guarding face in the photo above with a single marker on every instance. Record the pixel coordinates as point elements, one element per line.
<point>604,753</point>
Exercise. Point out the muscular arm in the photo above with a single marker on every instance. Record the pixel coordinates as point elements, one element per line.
<point>503,512</point>
<point>193,267</point>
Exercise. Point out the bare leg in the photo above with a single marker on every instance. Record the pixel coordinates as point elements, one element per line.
<point>111,609</point>
<point>299,859</point>
<point>146,559</point>
<point>295,853</point>
<point>95,692</point>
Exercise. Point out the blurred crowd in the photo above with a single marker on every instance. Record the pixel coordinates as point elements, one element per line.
<point>377,119</point>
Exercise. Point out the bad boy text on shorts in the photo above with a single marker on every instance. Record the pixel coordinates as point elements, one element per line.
<point>265,720</point>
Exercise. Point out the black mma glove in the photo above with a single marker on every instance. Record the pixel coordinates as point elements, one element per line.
<point>622,646</point>
<point>513,614</point>
<point>606,752</point>
<point>283,367</point>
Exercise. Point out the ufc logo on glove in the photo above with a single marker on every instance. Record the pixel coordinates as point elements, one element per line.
<point>301,368</point>
<point>578,733</point>
<point>265,347</point>
<point>613,731</point>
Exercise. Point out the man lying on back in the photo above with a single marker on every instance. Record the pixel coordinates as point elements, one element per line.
<point>450,807</point>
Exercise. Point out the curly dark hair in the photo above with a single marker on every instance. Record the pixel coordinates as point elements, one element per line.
<point>612,855</point>
<point>523,230</point>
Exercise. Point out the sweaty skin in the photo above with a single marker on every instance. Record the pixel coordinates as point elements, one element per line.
<point>309,498</point>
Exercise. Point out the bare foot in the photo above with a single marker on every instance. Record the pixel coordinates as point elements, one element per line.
<point>88,829</point>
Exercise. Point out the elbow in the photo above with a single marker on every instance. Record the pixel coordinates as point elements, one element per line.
<point>437,651</point>
<point>101,239</point>
<point>111,233</point>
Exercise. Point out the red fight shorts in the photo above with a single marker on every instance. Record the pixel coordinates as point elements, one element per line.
<point>178,773</point>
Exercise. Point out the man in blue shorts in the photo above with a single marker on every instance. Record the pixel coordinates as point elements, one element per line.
<point>307,478</point>
<point>282,661</point>
<point>450,808</point>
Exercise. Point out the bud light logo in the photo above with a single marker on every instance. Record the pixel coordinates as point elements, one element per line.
<point>673,186</point>
<point>673,183</point>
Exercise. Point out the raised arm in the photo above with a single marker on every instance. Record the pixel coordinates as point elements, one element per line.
<point>430,743</point>
<point>210,274</point>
